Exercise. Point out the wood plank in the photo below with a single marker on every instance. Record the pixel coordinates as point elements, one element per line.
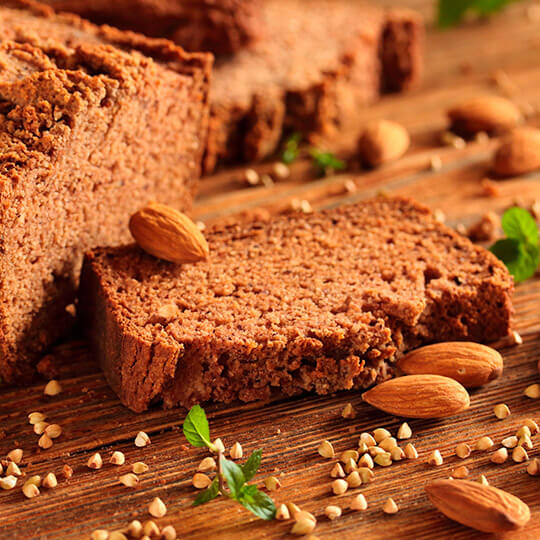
<point>460,62</point>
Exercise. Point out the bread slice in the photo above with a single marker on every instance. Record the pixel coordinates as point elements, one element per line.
<point>320,302</point>
<point>318,67</point>
<point>219,26</point>
<point>313,67</point>
<point>93,124</point>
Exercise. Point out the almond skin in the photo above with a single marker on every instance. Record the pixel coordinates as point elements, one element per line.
<point>168,234</point>
<point>471,364</point>
<point>519,153</point>
<point>492,114</point>
<point>382,141</point>
<point>419,396</point>
<point>480,507</point>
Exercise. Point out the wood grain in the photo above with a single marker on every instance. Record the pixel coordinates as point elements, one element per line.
<point>460,62</point>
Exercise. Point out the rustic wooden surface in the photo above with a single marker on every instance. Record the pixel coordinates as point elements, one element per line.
<point>460,62</point>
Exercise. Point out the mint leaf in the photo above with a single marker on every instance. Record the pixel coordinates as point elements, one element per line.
<point>520,250</point>
<point>450,12</point>
<point>520,258</point>
<point>527,264</point>
<point>291,148</point>
<point>196,428</point>
<point>251,466</point>
<point>208,494</point>
<point>487,7</point>
<point>325,161</point>
<point>519,224</point>
<point>234,476</point>
<point>257,502</point>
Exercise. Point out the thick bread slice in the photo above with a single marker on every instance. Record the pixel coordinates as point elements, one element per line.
<point>321,303</point>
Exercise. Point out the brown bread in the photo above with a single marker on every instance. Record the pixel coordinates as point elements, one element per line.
<point>314,73</point>
<point>94,122</point>
<point>304,303</point>
<point>311,69</point>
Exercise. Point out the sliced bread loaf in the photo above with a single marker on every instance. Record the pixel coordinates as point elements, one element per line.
<point>313,67</point>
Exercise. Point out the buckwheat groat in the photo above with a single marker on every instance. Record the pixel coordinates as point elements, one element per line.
<point>93,123</point>
<point>303,303</point>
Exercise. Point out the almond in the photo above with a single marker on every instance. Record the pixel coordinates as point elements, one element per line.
<point>481,507</point>
<point>419,396</point>
<point>168,234</point>
<point>382,141</point>
<point>471,364</point>
<point>492,114</point>
<point>519,153</point>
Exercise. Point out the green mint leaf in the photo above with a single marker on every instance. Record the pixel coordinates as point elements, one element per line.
<point>251,466</point>
<point>528,264</point>
<point>519,224</point>
<point>450,12</point>
<point>196,428</point>
<point>325,161</point>
<point>208,494</point>
<point>291,150</point>
<point>520,258</point>
<point>289,156</point>
<point>487,7</point>
<point>233,476</point>
<point>257,502</point>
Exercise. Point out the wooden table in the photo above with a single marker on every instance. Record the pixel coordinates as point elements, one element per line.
<point>460,62</point>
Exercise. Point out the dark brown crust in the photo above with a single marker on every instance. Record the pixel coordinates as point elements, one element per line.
<point>218,26</point>
<point>161,50</point>
<point>402,50</point>
<point>81,126</point>
<point>225,364</point>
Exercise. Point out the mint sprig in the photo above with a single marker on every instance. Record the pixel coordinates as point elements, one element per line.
<point>291,149</point>
<point>231,479</point>
<point>451,12</point>
<point>519,251</point>
<point>326,162</point>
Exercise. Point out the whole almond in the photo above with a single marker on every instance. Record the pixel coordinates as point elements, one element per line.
<point>481,507</point>
<point>471,364</point>
<point>419,396</point>
<point>518,153</point>
<point>382,141</point>
<point>168,234</point>
<point>492,114</point>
